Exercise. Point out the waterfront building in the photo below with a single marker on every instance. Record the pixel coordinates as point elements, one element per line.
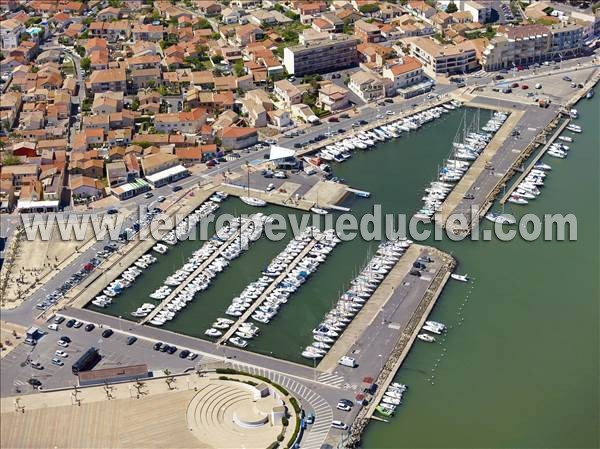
<point>334,53</point>
<point>444,59</point>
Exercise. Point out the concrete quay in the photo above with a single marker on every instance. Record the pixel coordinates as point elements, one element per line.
<point>404,341</point>
<point>534,161</point>
<point>371,309</point>
<point>491,171</point>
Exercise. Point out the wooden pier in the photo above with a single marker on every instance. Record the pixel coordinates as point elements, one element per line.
<point>534,161</point>
<point>266,293</point>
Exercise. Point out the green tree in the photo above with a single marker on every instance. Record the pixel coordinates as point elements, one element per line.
<point>451,8</point>
<point>201,24</point>
<point>278,7</point>
<point>217,59</point>
<point>9,159</point>
<point>80,50</point>
<point>369,8</point>
<point>238,68</point>
<point>135,104</point>
<point>86,63</point>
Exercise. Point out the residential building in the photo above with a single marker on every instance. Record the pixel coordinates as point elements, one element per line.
<point>287,92</point>
<point>110,79</point>
<point>185,122</point>
<point>529,44</point>
<point>10,32</point>
<point>406,71</point>
<point>335,53</point>
<point>333,98</point>
<point>367,32</point>
<point>368,86</point>
<point>481,11</point>
<point>444,59</point>
<point>233,138</point>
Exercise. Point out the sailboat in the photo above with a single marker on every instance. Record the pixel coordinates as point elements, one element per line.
<point>251,200</point>
<point>318,210</point>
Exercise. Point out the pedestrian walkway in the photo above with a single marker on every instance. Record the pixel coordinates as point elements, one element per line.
<point>316,434</point>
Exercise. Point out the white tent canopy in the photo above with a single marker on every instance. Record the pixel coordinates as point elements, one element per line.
<point>278,152</point>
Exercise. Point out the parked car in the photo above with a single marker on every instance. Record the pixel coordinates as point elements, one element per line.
<point>53,327</point>
<point>183,354</point>
<point>62,344</point>
<point>89,327</point>
<point>107,333</point>
<point>131,340</point>
<point>65,339</point>
<point>148,195</point>
<point>157,345</point>
<point>343,407</point>
<point>77,324</point>
<point>172,349</point>
<point>57,362</point>
<point>59,319</point>
<point>192,356</point>
<point>59,353</point>
<point>112,211</point>
<point>336,424</point>
<point>176,188</point>
<point>70,323</point>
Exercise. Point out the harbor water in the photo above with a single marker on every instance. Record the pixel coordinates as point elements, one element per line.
<point>518,366</point>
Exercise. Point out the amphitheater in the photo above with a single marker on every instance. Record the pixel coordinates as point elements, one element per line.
<point>191,413</point>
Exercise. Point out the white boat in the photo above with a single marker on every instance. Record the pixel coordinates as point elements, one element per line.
<point>459,277</point>
<point>318,210</point>
<point>160,248</point>
<point>574,113</point>
<point>252,201</point>
<point>213,332</point>
<point>517,200</point>
<point>497,218</point>
<point>426,337</point>
<point>239,342</point>
<point>565,138</point>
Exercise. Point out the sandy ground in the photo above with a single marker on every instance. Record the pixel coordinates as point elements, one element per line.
<point>117,417</point>
<point>10,336</point>
<point>37,260</point>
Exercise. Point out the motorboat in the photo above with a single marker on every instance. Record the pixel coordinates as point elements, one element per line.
<point>502,219</point>
<point>515,199</point>
<point>239,342</point>
<point>253,201</point>
<point>459,277</point>
<point>213,332</point>
<point>160,248</point>
<point>426,337</point>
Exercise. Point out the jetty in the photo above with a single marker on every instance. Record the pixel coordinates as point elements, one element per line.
<point>534,161</point>
<point>403,343</point>
<point>511,145</point>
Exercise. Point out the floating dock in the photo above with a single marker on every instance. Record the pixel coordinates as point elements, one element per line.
<point>266,293</point>
<point>245,224</point>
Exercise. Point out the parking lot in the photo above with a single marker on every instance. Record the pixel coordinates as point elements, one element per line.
<point>16,369</point>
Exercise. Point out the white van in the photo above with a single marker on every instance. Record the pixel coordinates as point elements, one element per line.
<point>348,361</point>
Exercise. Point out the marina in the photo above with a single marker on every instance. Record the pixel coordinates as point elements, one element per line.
<point>396,312</point>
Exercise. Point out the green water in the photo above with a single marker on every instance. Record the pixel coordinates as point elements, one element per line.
<point>519,365</point>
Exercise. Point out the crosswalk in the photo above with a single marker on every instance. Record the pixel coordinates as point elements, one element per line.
<point>331,379</point>
<point>315,435</point>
